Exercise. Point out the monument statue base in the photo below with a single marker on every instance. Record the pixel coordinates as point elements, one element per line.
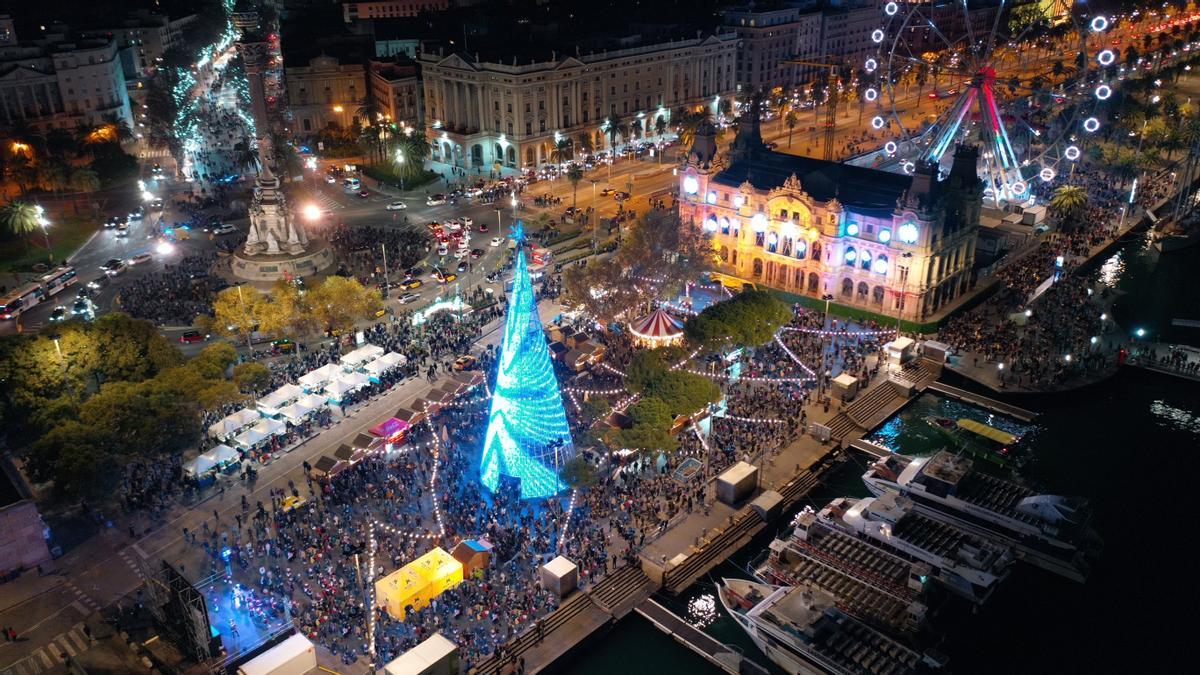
<point>263,267</point>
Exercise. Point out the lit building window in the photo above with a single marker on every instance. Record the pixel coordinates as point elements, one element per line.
<point>851,256</point>
<point>852,229</point>
<point>691,185</point>
<point>885,236</point>
<point>908,233</point>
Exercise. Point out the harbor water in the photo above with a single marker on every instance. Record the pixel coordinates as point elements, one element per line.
<point>1127,444</point>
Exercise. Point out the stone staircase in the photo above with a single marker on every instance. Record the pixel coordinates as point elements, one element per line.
<point>745,525</point>
<point>920,373</point>
<point>619,592</point>
<point>869,403</point>
<point>840,426</point>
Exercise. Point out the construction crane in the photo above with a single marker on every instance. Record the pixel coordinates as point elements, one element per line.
<point>831,98</point>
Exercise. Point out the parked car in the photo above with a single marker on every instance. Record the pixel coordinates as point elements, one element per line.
<point>396,206</point>
<point>283,346</point>
<point>291,503</point>
<point>224,228</point>
<point>191,336</point>
<point>476,253</point>
<point>409,297</point>
<point>465,362</point>
<point>59,313</point>
<point>411,283</point>
<point>496,241</point>
<point>140,258</point>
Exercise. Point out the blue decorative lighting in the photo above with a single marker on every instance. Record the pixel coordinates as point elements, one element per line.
<point>527,437</point>
<point>852,229</point>
<point>885,236</point>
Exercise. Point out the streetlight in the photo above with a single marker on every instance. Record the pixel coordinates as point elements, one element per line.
<point>44,223</point>
<point>827,297</point>
<point>311,212</point>
<point>1141,332</point>
<point>400,161</point>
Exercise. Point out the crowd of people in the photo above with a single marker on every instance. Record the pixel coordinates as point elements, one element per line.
<point>176,295</point>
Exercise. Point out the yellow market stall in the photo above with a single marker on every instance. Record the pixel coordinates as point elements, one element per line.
<point>418,582</point>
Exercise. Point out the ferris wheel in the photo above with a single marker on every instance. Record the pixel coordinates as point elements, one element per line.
<point>1024,83</point>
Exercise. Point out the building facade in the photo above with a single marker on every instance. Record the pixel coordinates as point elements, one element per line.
<point>142,39</point>
<point>353,10</point>
<point>484,112</point>
<point>768,39</point>
<point>846,31</point>
<point>323,92</point>
<point>901,246</point>
<point>62,84</point>
<point>397,89</point>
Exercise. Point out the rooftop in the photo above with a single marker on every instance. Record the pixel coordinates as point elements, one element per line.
<point>861,188</point>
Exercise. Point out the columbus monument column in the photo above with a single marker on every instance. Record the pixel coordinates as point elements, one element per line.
<point>277,245</point>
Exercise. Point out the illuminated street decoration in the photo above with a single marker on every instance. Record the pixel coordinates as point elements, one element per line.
<point>527,437</point>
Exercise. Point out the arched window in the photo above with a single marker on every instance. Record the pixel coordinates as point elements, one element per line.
<point>865,259</point>
<point>863,289</point>
<point>758,268</point>
<point>877,295</point>
<point>724,225</point>
<point>724,253</point>
<point>787,247</point>
<point>847,287</point>
<point>816,251</point>
<point>801,248</point>
<point>772,242</point>
<point>799,278</point>
<point>814,282</point>
<point>880,266</point>
<point>850,256</point>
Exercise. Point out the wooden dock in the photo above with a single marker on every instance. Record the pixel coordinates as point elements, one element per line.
<point>726,657</point>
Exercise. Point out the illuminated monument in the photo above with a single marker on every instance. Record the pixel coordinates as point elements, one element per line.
<point>527,438</point>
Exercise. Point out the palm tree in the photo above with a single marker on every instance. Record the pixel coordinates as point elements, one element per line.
<point>244,157</point>
<point>563,151</point>
<point>688,124</point>
<point>660,125</point>
<point>52,173</point>
<point>21,219</point>
<point>574,174</point>
<point>615,129</point>
<point>119,128</point>
<point>1069,200</point>
<point>790,120</point>
<point>584,142</point>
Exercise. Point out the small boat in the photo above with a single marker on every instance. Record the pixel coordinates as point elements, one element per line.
<point>981,441</point>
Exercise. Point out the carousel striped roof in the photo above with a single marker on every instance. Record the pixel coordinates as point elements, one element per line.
<point>657,326</point>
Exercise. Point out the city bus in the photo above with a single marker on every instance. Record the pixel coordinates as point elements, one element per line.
<point>34,293</point>
<point>351,184</point>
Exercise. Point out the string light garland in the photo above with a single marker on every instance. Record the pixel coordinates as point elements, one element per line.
<point>838,333</point>
<point>793,356</point>
<point>612,370</point>
<point>756,420</point>
<point>562,540</point>
<point>747,378</point>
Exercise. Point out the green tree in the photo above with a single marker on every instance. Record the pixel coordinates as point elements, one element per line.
<point>651,425</point>
<point>338,302</point>
<point>21,219</point>
<point>574,175</point>
<point>563,151</point>
<point>750,318</point>
<point>84,179</point>
<point>790,120</point>
<point>251,376</point>
<point>578,473</point>
<point>615,128</point>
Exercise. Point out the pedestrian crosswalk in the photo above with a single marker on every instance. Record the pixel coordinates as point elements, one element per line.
<point>328,202</point>
<point>131,560</point>
<point>47,657</point>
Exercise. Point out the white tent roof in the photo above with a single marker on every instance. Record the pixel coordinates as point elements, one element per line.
<point>249,438</point>
<point>316,378</point>
<point>221,453</point>
<point>362,355</point>
<point>223,428</point>
<point>338,388</point>
<point>845,380</point>
<point>270,427</point>
<point>296,411</point>
<point>199,465</point>
<point>280,397</point>
<point>356,379</point>
<point>385,363</point>
<point>246,416</point>
<point>313,401</point>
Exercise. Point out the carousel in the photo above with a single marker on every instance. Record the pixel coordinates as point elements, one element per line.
<point>658,329</point>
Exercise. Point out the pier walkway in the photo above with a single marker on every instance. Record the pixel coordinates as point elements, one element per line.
<point>725,657</point>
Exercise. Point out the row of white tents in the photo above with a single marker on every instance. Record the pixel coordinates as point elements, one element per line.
<point>292,403</point>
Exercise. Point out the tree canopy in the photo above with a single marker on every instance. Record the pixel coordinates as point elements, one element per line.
<point>336,303</point>
<point>750,318</point>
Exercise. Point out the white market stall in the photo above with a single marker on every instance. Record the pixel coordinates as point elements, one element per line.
<point>199,466</point>
<point>314,401</point>
<point>270,427</point>
<point>279,399</point>
<point>845,386</point>
<point>362,355</point>
<point>250,438</point>
<point>296,412</point>
<point>375,369</point>
<point>233,423</point>
<point>335,391</point>
<point>900,350</point>
<point>316,379</point>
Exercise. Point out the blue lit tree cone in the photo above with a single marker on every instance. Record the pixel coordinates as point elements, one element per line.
<point>527,438</point>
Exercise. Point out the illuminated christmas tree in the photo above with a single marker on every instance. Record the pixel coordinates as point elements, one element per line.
<point>527,438</point>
